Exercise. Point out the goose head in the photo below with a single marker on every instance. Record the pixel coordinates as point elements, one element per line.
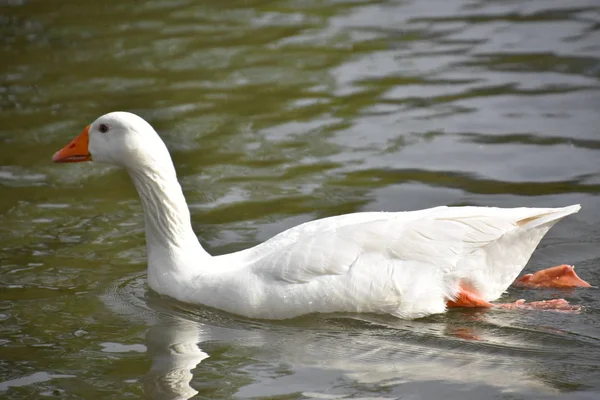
<point>119,138</point>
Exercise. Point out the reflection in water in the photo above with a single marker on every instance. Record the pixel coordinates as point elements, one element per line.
<point>476,349</point>
<point>500,351</point>
<point>173,347</point>
<point>359,351</point>
<point>387,358</point>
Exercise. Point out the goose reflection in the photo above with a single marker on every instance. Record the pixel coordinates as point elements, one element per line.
<point>173,347</point>
<point>392,357</point>
<point>315,359</point>
<point>320,356</point>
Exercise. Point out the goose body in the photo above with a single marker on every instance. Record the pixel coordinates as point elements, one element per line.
<point>406,264</point>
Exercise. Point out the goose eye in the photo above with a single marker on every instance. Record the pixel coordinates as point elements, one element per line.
<point>103,128</point>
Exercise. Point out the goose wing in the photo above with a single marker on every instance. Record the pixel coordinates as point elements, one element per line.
<point>438,238</point>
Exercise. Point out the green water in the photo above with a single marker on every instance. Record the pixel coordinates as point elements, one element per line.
<point>276,113</point>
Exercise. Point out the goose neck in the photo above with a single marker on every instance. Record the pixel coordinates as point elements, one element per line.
<point>166,214</point>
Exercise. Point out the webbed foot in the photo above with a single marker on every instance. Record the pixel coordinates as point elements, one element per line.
<point>561,276</point>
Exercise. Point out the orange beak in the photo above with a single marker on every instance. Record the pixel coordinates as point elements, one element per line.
<point>76,151</point>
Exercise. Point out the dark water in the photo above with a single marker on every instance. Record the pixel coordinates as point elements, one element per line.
<point>279,112</point>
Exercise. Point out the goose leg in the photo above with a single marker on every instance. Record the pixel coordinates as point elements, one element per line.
<point>561,276</point>
<point>469,299</point>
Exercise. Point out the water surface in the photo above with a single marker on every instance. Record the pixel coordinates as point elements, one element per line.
<point>276,113</point>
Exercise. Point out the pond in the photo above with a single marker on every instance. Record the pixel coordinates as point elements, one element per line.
<point>278,113</point>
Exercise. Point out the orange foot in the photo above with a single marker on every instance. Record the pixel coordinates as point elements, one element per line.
<point>555,304</point>
<point>561,276</point>
<point>467,298</point>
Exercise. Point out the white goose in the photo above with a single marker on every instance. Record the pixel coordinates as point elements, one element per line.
<point>407,264</point>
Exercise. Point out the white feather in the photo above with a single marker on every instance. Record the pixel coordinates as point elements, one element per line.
<point>407,264</point>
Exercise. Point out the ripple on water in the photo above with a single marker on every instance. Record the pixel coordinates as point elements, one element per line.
<point>277,113</point>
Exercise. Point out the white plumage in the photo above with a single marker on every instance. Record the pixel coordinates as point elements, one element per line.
<point>407,264</point>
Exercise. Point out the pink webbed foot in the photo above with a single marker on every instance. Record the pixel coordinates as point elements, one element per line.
<point>554,304</point>
<point>561,276</point>
<point>467,298</point>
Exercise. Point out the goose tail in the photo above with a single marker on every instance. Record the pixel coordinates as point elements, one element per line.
<point>549,216</point>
